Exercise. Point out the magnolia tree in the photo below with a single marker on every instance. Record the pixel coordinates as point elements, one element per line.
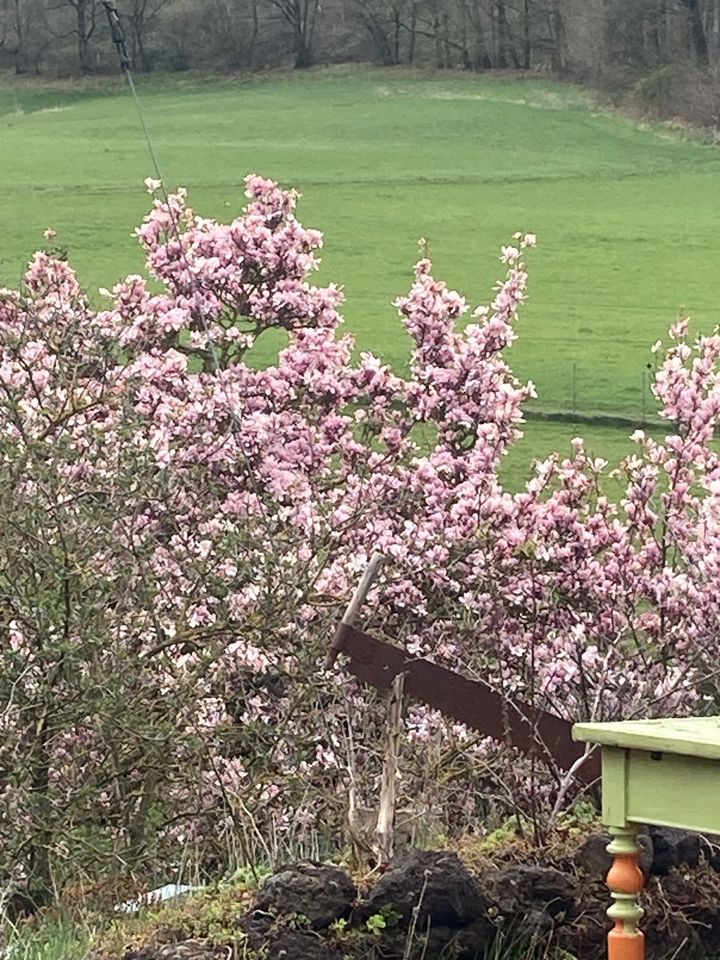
<point>181,530</point>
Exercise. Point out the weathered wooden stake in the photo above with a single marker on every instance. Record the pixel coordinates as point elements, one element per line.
<point>358,598</point>
<point>385,830</point>
<point>361,833</point>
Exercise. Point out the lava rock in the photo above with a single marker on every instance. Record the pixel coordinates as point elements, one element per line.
<point>696,914</point>
<point>296,945</point>
<point>594,859</point>
<point>474,940</point>
<point>256,925</point>
<point>436,942</point>
<point>434,881</point>
<point>673,848</point>
<point>710,846</point>
<point>430,942</point>
<point>25,902</point>
<point>320,892</point>
<point>531,896</point>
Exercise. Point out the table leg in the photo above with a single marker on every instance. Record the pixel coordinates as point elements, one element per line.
<point>625,881</point>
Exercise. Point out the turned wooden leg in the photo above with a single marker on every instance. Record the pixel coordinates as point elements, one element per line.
<point>625,880</point>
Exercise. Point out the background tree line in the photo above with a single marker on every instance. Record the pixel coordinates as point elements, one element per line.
<point>613,43</point>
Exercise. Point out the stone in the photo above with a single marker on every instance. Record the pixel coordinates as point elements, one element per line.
<point>475,940</point>
<point>530,896</point>
<point>24,902</point>
<point>696,913</point>
<point>256,924</point>
<point>298,945</point>
<point>674,848</point>
<point>435,881</point>
<point>320,892</point>
<point>427,943</point>
<point>593,858</point>
<point>710,846</point>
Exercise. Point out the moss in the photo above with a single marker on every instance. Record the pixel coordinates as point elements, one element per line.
<point>211,917</point>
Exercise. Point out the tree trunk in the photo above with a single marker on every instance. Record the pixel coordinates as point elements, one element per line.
<point>303,53</point>
<point>696,30</point>
<point>527,49</point>
<point>466,58</point>
<point>413,33</point>
<point>253,33</point>
<point>481,57</point>
<point>493,38</point>
<point>505,45</point>
<point>21,62</point>
<point>438,44</point>
<point>397,27</point>
<point>501,60</point>
<point>84,55</point>
<point>386,48</point>
<point>142,53</point>
<point>447,55</point>
<point>304,23</point>
<point>83,39</point>
<point>558,34</point>
<point>41,879</point>
<point>139,54</point>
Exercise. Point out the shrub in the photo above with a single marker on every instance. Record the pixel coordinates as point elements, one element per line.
<point>181,530</point>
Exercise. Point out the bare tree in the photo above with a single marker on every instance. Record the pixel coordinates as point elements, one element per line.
<point>85,22</point>
<point>696,30</point>
<point>236,29</point>
<point>372,15</point>
<point>526,35</point>
<point>387,24</point>
<point>301,16</point>
<point>22,25</point>
<point>475,21</point>
<point>437,22</point>
<point>141,15</point>
<point>558,40</point>
<point>179,38</point>
<point>614,42</point>
<point>506,49</point>
<point>12,33</point>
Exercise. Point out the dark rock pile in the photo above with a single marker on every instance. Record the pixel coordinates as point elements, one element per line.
<point>430,905</point>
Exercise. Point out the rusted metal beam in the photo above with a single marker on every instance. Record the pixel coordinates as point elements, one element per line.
<point>471,702</point>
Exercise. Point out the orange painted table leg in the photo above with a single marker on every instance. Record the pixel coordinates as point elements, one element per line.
<point>656,772</point>
<point>625,880</point>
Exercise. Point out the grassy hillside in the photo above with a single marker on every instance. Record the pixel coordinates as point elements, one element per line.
<point>626,216</point>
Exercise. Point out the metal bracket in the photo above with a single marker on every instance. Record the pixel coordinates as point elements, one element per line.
<point>118,34</point>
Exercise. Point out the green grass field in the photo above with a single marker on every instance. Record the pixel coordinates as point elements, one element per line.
<point>626,216</point>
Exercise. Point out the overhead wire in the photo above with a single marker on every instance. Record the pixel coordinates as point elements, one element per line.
<point>120,41</point>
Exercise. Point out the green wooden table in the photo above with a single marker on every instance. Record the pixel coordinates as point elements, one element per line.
<point>660,772</point>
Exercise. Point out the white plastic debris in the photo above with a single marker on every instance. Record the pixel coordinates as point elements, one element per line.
<point>171,891</point>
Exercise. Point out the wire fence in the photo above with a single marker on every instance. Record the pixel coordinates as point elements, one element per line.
<point>595,392</point>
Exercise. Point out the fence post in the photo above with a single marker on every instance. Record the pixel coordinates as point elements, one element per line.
<point>574,389</point>
<point>644,398</point>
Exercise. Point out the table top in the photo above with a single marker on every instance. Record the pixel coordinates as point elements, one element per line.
<point>690,736</point>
